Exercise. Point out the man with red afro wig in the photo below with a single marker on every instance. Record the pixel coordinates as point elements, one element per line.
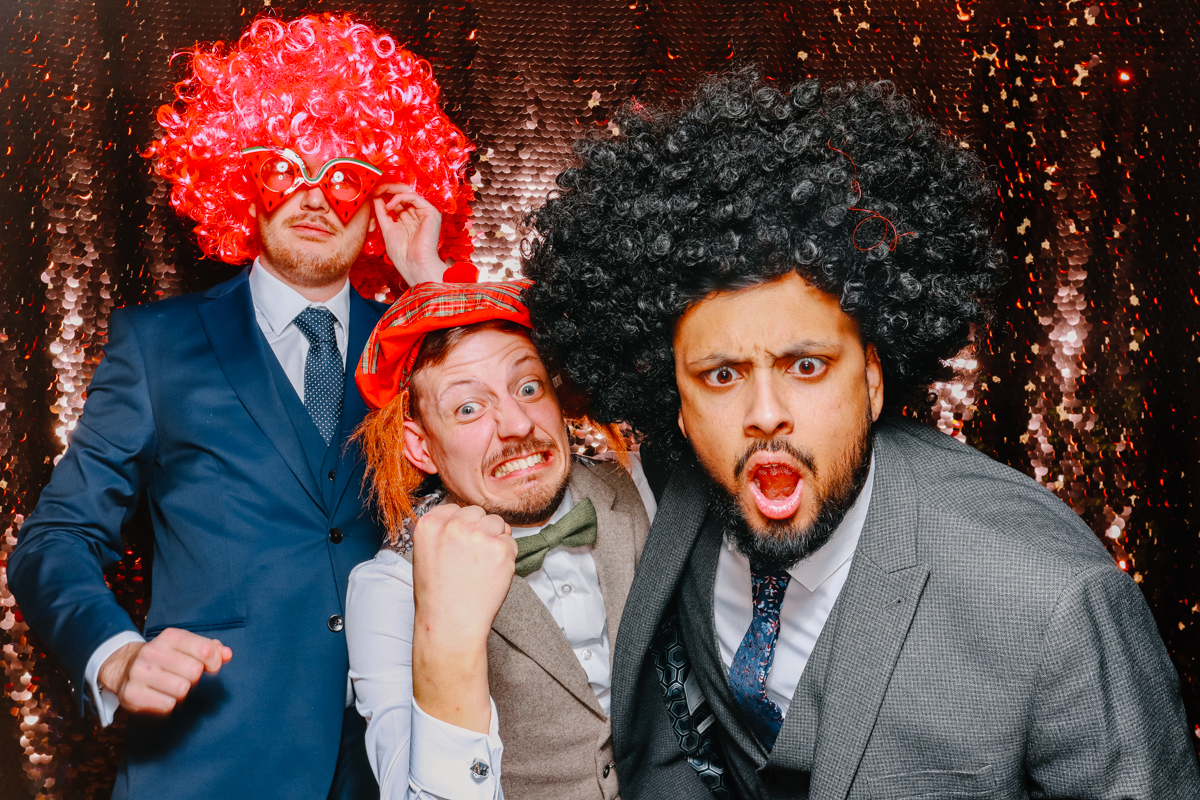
<point>229,413</point>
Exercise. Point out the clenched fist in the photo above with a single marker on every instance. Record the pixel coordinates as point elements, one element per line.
<point>151,677</point>
<point>463,564</point>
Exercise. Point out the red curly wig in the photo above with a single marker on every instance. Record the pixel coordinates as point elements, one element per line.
<point>325,86</point>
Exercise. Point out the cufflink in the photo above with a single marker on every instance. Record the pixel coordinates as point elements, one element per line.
<point>479,769</point>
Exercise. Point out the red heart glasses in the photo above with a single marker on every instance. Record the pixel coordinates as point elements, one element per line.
<point>345,182</point>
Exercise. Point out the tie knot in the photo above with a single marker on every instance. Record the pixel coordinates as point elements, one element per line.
<point>769,586</point>
<point>316,324</point>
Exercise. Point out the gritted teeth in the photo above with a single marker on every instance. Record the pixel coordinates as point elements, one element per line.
<point>515,464</point>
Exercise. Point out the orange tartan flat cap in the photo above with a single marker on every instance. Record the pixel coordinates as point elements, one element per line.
<point>386,364</point>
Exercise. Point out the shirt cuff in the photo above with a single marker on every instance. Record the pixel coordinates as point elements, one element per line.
<point>450,762</point>
<point>104,701</point>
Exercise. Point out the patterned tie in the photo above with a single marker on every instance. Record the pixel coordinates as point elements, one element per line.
<point>575,529</point>
<point>324,372</point>
<point>752,661</point>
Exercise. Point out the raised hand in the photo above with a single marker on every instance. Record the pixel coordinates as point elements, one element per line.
<point>463,564</point>
<point>152,677</point>
<point>410,226</point>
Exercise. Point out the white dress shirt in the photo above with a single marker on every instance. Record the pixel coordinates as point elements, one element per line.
<point>275,307</point>
<point>815,585</point>
<point>413,755</point>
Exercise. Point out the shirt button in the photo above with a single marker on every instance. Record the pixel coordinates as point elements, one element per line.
<point>335,535</point>
<point>567,588</point>
<point>336,623</point>
<point>586,655</point>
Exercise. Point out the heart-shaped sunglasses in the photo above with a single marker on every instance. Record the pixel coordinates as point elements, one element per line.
<point>345,182</point>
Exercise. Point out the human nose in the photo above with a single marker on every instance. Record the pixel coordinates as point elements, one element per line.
<point>313,199</point>
<point>767,415</point>
<point>511,420</point>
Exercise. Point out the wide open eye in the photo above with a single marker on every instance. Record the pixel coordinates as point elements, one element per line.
<point>277,174</point>
<point>723,376</point>
<point>528,389</point>
<point>809,367</point>
<point>344,184</point>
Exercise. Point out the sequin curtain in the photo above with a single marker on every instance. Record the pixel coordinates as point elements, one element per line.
<point>1085,112</point>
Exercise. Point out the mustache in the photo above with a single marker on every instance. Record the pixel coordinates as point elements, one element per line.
<point>776,446</point>
<point>524,447</point>
<point>312,220</point>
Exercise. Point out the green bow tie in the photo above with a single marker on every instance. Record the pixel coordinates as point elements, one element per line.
<point>576,529</point>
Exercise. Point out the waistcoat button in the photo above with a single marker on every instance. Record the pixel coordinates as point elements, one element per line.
<point>336,623</point>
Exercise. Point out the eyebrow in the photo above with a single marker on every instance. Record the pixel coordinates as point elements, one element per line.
<point>805,347</point>
<point>464,381</point>
<point>523,359</point>
<point>446,389</point>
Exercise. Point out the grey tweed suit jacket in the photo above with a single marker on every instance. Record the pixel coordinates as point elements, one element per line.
<point>984,645</point>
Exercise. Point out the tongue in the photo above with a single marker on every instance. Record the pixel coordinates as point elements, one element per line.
<point>776,481</point>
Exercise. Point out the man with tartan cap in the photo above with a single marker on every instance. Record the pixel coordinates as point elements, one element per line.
<point>486,622</point>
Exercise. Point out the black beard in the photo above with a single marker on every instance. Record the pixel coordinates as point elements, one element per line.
<point>780,545</point>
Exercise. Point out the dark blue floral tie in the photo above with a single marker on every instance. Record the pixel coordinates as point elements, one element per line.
<point>324,372</point>
<point>752,661</point>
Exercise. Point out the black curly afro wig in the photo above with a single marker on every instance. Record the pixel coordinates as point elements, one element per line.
<point>845,185</point>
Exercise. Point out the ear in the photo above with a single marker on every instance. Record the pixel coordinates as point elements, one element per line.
<point>874,381</point>
<point>371,224</point>
<point>253,210</point>
<point>416,448</point>
<point>682,427</point>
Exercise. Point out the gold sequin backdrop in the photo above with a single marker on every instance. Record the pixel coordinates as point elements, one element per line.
<point>1085,112</point>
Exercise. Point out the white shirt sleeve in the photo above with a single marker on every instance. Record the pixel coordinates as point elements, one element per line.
<point>106,702</point>
<point>413,755</point>
<point>643,486</point>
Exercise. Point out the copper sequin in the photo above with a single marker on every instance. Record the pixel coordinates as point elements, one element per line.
<point>1086,112</point>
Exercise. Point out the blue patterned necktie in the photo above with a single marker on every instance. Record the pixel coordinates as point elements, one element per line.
<point>752,661</point>
<point>324,372</point>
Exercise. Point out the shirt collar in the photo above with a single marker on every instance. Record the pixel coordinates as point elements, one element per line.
<point>566,505</point>
<point>279,303</point>
<point>820,566</point>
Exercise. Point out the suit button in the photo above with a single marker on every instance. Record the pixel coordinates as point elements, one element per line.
<point>607,769</point>
<point>332,474</point>
<point>336,623</point>
<point>335,535</point>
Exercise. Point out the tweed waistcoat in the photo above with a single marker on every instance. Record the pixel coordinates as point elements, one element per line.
<point>557,739</point>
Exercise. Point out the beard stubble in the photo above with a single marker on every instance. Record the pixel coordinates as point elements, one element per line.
<point>301,267</point>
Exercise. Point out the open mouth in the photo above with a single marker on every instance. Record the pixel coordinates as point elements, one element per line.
<point>520,464</point>
<point>776,489</point>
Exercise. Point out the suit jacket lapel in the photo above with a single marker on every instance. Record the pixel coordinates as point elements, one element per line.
<point>526,624</point>
<point>350,467</point>
<point>668,547</point>
<point>615,551</point>
<point>871,620</point>
<point>242,352</point>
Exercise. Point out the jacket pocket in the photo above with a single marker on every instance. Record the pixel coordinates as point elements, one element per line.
<point>934,784</point>
<point>198,627</point>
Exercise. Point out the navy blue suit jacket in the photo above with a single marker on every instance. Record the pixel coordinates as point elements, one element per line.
<point>191,407</point>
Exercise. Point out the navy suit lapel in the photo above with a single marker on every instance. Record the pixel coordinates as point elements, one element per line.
<point>242,352</point>
<point>363,316</point>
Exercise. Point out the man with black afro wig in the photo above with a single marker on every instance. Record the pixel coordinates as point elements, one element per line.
<point>834,602</point>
